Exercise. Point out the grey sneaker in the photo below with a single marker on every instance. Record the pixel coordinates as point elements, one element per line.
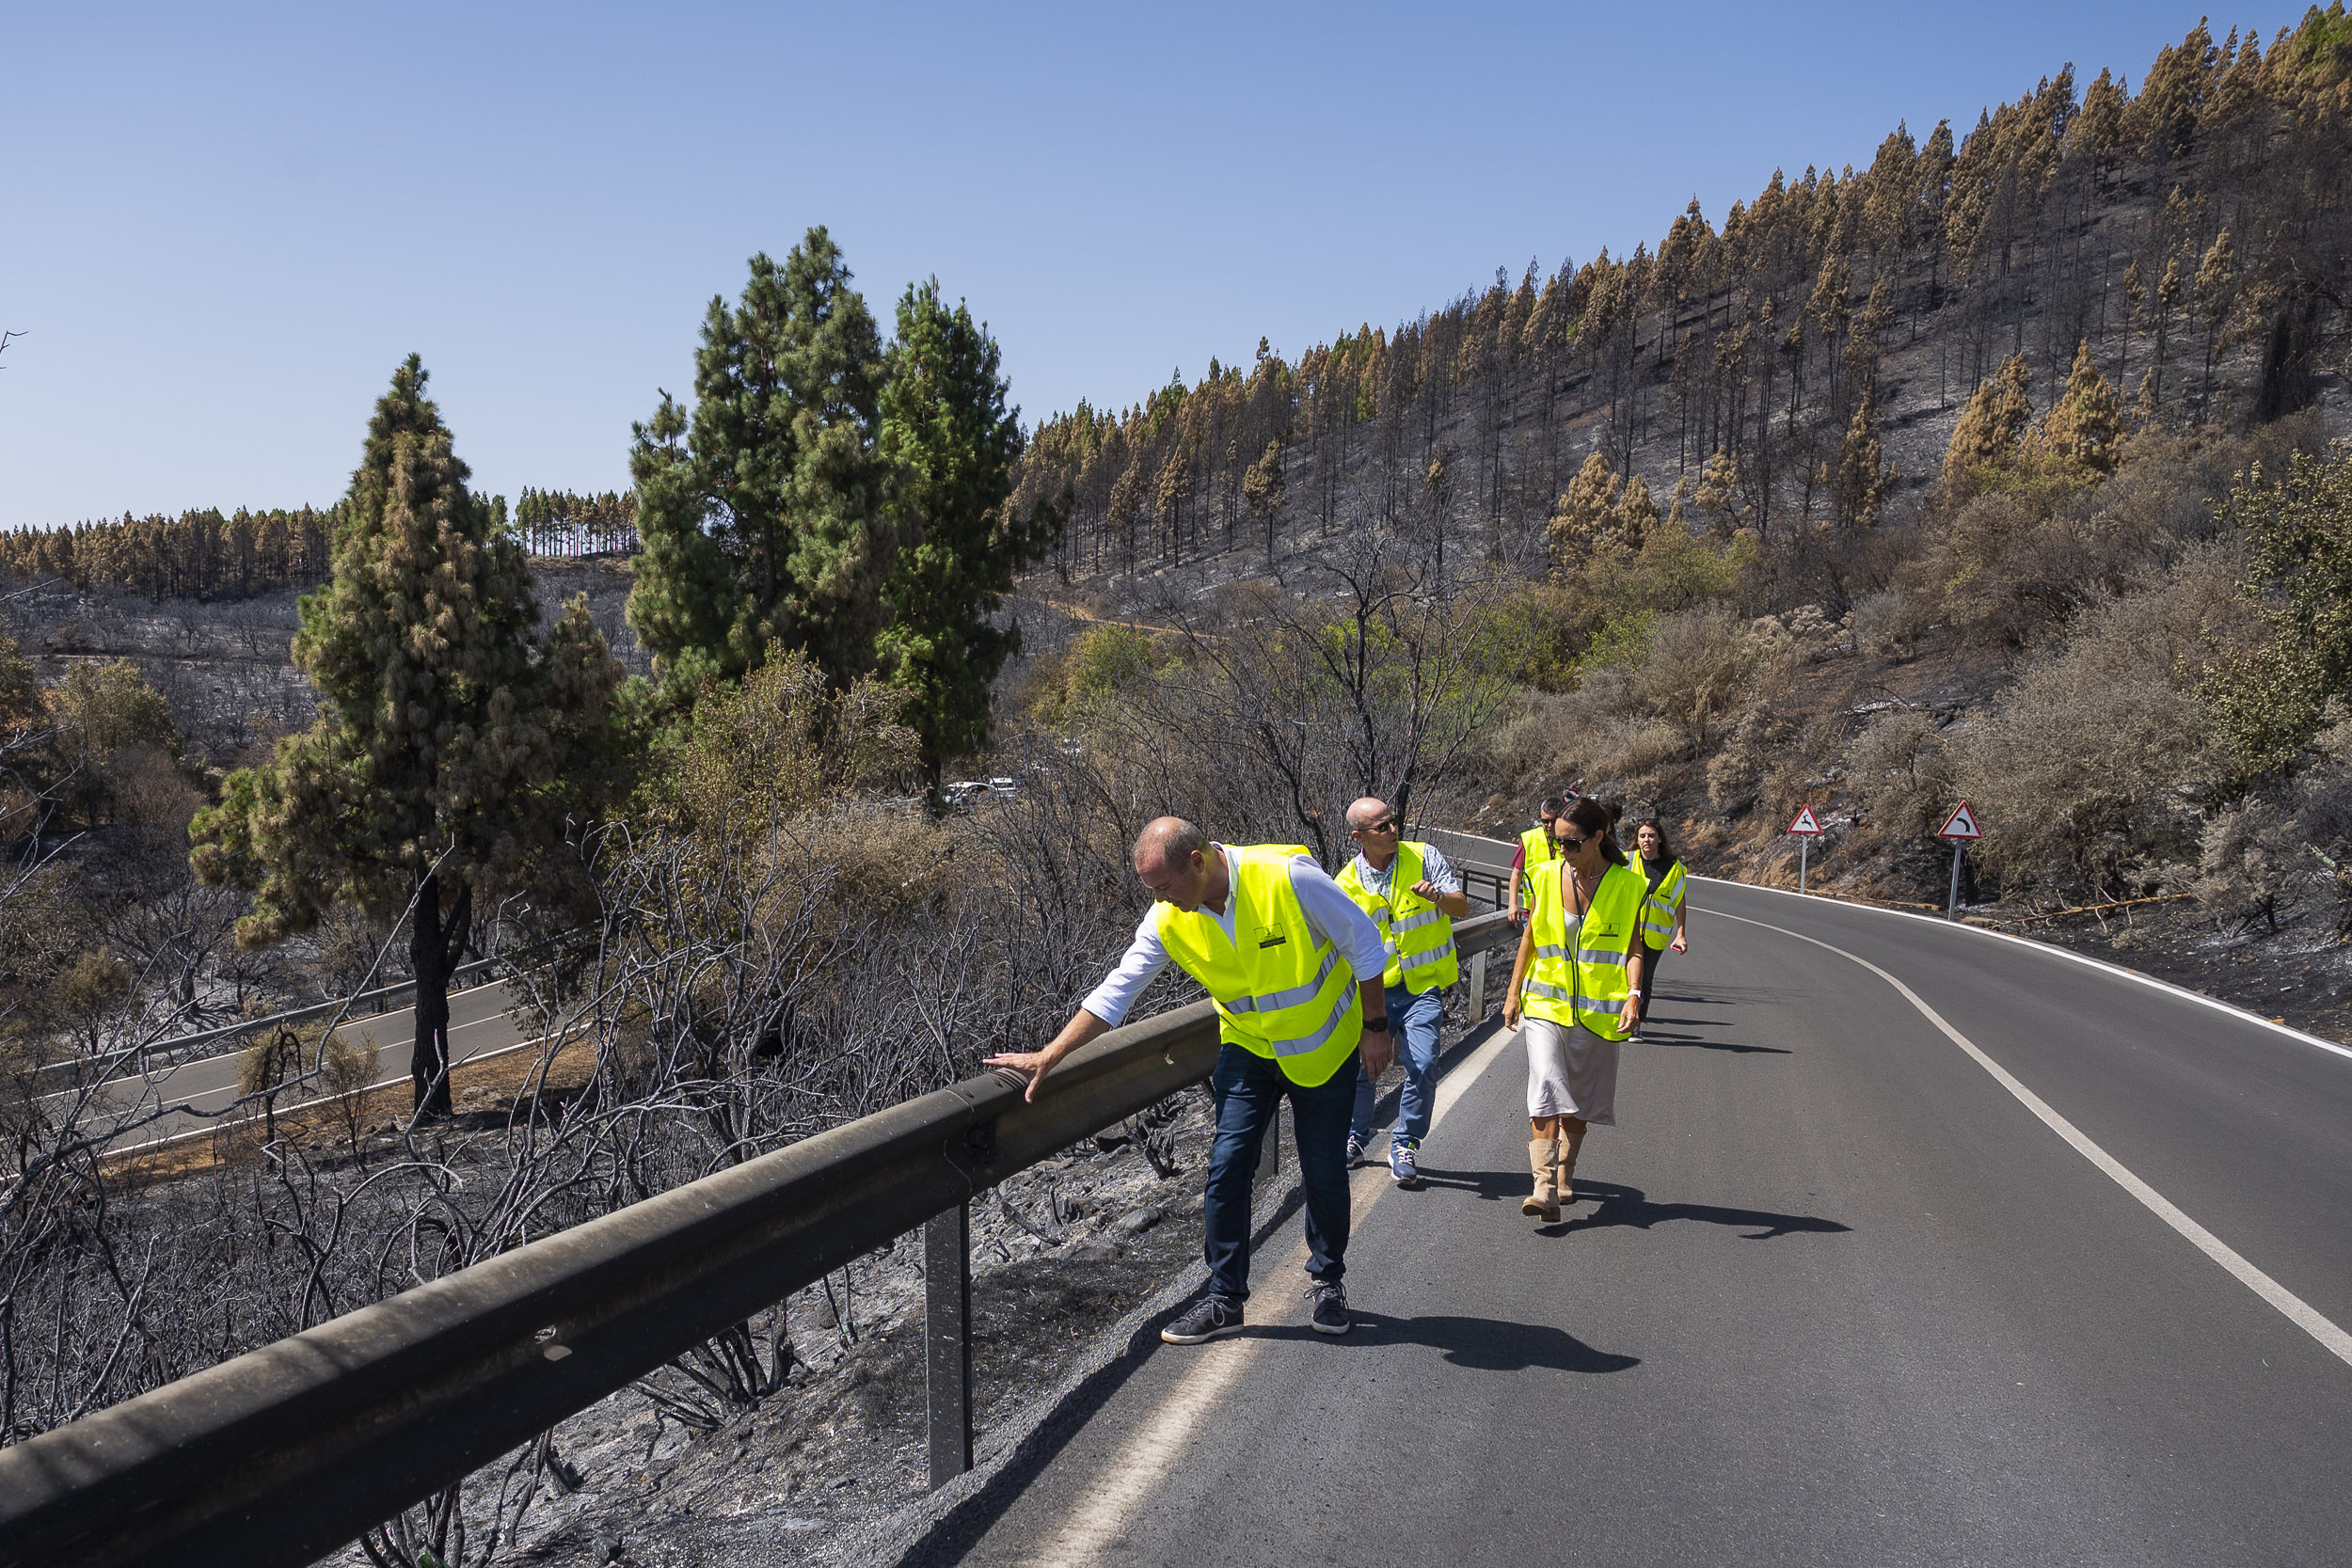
<point>1402,1155</point>
<point>1330,1308</point>
<point>1214,1316</point>
<point>1354,1151</point>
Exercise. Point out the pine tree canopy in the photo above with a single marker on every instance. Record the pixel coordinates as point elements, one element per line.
<point>762,515</point>
<point>453,742</point>
<point>1990,426</point>
<point>951,445</point>
<point>2086,426</point>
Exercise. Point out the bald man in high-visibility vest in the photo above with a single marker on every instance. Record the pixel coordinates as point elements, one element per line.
<point>1414,897</point>
<point>1294,967</point>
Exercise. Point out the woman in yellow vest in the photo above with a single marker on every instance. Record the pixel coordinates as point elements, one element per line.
<point>1663,869</point>
<point>1293,966</point>
<point>1592,926</point>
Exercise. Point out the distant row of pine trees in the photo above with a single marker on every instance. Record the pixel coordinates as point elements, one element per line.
<point>198,554</point>
<point>2200,223</point>
<point>559,523</point>
<point>206,554</point>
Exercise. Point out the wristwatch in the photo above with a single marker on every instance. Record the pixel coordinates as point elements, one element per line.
<point>1380,1024</point>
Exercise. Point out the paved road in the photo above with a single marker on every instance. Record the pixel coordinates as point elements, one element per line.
<point>478,1024</point>
<point>1844,1297</point>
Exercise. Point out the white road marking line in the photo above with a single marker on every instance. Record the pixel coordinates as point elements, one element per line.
<point>2051,950</point>
<point>2295,1311</point>
<point>1111,1499</point>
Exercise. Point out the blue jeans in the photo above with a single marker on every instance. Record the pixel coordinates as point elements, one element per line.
<point>1248,1090</point>
<point>1413,1024</point>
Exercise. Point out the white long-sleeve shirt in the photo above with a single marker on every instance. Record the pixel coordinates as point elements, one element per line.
<point>1332,914</point>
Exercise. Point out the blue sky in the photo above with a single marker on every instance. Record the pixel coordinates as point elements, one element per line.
<point>222,226</point>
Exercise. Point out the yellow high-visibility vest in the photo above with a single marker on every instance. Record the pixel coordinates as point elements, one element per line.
<point>1417,935</point>
<point>1535,845</point>
<point>1581,977</point>
<point>1280,991</point>
<point>1669,892</point>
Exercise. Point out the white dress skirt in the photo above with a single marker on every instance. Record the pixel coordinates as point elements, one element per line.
<point>1571,1072</point>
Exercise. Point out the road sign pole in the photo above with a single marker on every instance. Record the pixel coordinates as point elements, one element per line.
<point>1805,847</point>
<point>1960,828</point>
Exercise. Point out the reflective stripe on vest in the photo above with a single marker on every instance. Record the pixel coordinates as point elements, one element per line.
<point>1280,991</point>
<point>1417,935</point>
<point>1589,989</point>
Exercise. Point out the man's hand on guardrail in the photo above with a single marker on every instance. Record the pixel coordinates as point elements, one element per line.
<point>1034,1065</point>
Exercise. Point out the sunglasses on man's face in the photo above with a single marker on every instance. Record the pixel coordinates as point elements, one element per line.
<point>1387,826</point>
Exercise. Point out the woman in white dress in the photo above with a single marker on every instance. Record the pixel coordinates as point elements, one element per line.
<point>1578,981</point>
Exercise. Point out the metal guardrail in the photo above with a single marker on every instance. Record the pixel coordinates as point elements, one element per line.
<point>288,1452</point>
<point>1483,863</point>
<point>389,999</point>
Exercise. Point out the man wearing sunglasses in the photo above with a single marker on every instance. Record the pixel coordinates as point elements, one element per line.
<point>1414,897</point>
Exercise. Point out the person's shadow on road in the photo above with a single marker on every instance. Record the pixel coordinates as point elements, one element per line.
<point>1625,1206</point>
<point>1693,1042</point>
<point>1484,1344</point>
<point>1631,1207</point>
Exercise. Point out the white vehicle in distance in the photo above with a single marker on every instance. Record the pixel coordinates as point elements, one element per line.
<point>968,792</point>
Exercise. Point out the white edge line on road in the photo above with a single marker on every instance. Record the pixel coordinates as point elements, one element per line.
<point>1110,1499</point>
<point>2053,950</point>
<point>315,1099</point>
<point>2290,1306</point>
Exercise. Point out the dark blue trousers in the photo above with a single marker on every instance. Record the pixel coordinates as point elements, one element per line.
<point>1248,1090</point>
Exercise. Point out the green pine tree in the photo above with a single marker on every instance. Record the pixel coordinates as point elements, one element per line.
<point>762,517</point>
<point>454,741</point>
<point>952,444</point>
<point>2271,701</point>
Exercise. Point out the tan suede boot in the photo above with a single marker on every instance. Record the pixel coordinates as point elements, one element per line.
<point>1571,1142</point>
<point>1542,1160</point>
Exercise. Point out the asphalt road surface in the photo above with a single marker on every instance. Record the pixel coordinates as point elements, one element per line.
<point>1838,1291</point>
<point>478,1024</point>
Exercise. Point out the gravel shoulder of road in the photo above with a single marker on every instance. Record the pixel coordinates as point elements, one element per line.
<point>2299,974</point>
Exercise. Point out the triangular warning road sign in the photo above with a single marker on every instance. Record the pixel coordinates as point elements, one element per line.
<point>1805,822</point>
<point>1961,824</point>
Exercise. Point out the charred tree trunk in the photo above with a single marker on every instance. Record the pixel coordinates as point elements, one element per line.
<point>434,945</point>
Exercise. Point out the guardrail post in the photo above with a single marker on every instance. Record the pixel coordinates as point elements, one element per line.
<point>1478,986</point>
<point>947,1340</point>
<point>1270,1151</point>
